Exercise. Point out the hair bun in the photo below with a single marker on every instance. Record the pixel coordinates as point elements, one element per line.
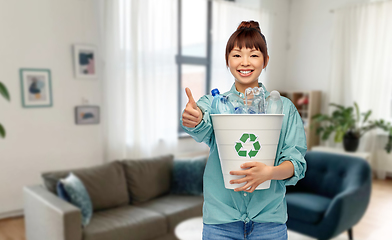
<point>249,24</point>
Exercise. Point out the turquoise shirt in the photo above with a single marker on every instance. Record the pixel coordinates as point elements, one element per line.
<point>223,205</point>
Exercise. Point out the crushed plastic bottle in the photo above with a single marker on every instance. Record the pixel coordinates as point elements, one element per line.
<point>237,102</point>
<point>220,104</point>
<point>274,104</point>
<point>254,100</point>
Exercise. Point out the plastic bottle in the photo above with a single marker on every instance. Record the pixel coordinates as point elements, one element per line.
<point>274,104</point>
<point>254,100</point>
<point>237,102</point>
<point>220,104</point>
<point>258,100</point>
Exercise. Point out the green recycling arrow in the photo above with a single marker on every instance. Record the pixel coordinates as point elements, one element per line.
<point>243,139</point>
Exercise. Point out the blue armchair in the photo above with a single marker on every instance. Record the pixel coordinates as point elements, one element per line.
<point>331,198</point>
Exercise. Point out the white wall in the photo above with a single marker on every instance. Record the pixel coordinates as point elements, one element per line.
<point>40,34</point>
<point>310,44</point>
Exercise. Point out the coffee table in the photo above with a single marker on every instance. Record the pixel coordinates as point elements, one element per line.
<point>190,229</point>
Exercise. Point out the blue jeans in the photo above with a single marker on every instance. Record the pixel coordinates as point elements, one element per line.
<point>247,231</point>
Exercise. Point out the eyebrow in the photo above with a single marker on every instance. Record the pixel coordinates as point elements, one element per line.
<point>253,50</point>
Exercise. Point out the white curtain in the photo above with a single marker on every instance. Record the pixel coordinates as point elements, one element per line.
<point>140,80</point>
<point>226,18</point>
<point>361,61</point>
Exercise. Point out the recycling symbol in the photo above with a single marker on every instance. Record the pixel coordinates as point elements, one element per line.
<point>251,138</point>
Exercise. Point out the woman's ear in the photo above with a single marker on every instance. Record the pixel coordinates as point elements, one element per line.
<point>266,62</point>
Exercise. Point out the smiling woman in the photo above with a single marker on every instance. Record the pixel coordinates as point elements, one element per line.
<point>246,55</point>
<point>241,212</point>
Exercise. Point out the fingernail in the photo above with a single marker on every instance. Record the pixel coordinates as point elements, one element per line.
<point>242,166</point>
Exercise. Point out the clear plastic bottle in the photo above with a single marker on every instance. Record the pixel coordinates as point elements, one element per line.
<point>254,100</point>
<point>274,104</point>
<point>237,102</point>
<point>220,104</point>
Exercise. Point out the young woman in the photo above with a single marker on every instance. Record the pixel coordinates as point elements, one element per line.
<point>245,213</point>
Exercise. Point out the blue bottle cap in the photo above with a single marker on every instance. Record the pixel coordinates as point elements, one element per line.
<point>214,91</point>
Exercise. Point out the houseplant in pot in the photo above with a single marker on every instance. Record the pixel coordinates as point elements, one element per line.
<point>5,94</point>
<point>349,125</point>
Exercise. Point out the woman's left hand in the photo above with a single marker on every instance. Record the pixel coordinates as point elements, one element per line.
<point>256,174</point>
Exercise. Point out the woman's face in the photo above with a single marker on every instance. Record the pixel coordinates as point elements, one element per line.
<point>246,65</point>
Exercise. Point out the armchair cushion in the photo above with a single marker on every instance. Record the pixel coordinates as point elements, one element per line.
<point>306,207</point>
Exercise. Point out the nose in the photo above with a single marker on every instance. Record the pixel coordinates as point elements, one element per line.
<point>245,62</point>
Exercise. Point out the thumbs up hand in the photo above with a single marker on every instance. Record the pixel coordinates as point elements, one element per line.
<point>192,114</point>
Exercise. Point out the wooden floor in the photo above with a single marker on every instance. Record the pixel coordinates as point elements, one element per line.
<point>375,225</point>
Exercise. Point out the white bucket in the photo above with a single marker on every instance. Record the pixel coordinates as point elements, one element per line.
<point>245,138</point>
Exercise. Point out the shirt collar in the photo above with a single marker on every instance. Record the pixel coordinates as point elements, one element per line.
<point>234,90</point>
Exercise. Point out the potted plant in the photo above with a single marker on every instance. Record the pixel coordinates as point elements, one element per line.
<point>349,126</point>
<point>5,94</point>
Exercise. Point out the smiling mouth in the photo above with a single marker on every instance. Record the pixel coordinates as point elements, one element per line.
<point>245,73</point>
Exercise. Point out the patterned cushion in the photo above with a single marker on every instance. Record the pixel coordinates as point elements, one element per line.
<point>188,176</point>
<point>78,196</point>
<point>61,192</point>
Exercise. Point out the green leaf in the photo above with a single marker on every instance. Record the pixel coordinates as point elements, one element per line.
<point>2,131</point>
<point>339,136</point>
<point>4,91</point>
<point>319,130</point>
<point>367,116</point>
<point>336,105</point>
<point>357,111</point>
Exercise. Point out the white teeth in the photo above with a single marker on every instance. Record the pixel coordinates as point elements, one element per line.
<point>245,72</point>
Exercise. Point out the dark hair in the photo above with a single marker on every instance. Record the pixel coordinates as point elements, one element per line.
<point>248,34</point>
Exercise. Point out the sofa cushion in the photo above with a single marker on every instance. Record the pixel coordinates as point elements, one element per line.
<point>148,178</point>
<point>176,208</point>
<point>105,184</point>
<point>125,223</point>
<point>306,207</point>
<point>188,176</point>
<point>78,196</point>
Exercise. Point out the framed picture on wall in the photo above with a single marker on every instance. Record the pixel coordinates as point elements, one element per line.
<point>36,87</point>
<point>87,115</point>
<point>85,61</point>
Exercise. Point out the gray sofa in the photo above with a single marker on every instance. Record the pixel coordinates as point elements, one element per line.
<point>131,199</point>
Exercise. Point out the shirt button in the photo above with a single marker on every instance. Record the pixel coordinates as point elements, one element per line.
<point>245,194</point>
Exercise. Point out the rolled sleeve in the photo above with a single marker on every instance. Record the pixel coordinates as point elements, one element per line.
<point>294,148</point>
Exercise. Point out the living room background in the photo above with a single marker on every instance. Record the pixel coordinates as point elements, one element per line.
<point>40,34</point>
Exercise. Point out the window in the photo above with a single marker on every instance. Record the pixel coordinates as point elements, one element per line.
<point>194,50</point>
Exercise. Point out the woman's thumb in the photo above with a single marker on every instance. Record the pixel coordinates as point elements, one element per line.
<point>190,97</point>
